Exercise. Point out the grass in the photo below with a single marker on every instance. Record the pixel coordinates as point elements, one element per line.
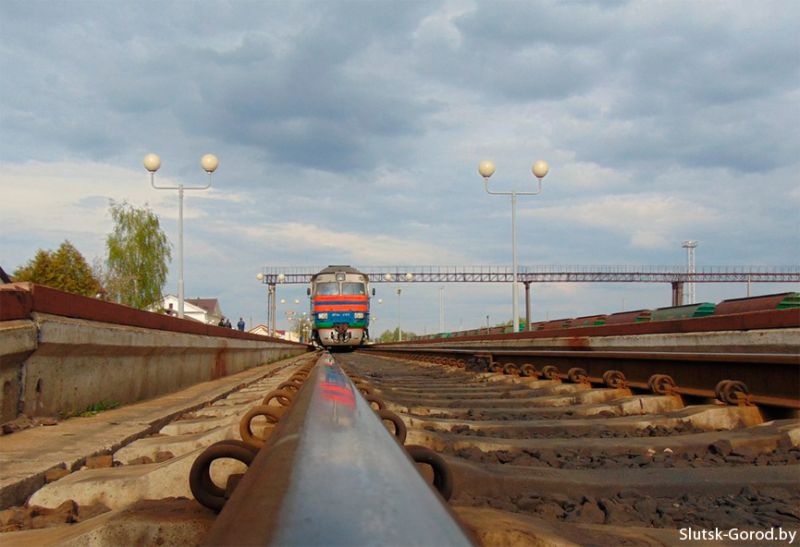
<point>91,410</point>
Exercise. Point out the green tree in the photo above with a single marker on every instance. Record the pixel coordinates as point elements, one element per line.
<point>138,254</point>
<point>64,269</point>
<point>392,336</point>
<point>302,327</point>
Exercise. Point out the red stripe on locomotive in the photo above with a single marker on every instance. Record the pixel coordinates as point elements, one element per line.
<point>341,307</point>
<point>335,297</point>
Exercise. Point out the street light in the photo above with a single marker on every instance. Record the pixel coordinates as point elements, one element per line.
<point>399,332</point>
<point>408,277</point>
<point>152,163</point>
<point>539,170</point>
<point>270,303</point>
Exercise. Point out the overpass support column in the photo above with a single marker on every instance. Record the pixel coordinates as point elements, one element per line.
<point>527,305</point>
<point>677,293</point>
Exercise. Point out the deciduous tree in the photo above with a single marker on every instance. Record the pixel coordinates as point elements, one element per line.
<point>64,269</point>
<point>393,336</point>
<point>138,256</point>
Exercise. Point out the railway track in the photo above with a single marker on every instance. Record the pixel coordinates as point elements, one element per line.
<point>533,461</point>
<point>122,477</point>
<point>559,461</point>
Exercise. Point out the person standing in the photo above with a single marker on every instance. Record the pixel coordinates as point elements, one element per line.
<point>240,324</point>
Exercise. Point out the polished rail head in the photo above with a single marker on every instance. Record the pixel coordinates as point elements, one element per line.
<point>330,473</point>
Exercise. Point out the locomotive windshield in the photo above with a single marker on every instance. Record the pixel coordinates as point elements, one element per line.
<point>353,289</point>
<point>327,288</point>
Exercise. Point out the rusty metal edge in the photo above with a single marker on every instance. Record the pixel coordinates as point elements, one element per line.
<point>21,300</point>
<point>717,357</point>
<point>756,320</point>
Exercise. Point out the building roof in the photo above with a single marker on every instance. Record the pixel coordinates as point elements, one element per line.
<point>211,305</point>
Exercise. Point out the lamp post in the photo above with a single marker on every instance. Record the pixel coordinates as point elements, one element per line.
<point>486,169</point>
<point>152,163</point>
<point>408,277</point>
<point>399,332</point>
<point>271,305</point>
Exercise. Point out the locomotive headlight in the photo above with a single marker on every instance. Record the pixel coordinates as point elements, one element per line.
<point>359,315</point>
<point>322,315</point>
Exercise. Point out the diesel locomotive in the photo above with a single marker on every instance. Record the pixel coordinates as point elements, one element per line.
<point>340,307</point>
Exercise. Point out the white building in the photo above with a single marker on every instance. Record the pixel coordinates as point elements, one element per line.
<point>205,310</point>
<point>263,330</point>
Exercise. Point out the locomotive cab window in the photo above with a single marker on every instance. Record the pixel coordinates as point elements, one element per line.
<point>327,288</point>
<point>353,289</point>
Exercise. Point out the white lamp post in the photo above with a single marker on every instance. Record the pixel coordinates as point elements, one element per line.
<point>539,169</point>
<point>152,163</point>
<point>399,332</point>
<point>408,277</point>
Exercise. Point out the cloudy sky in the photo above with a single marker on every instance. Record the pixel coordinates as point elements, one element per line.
<point>350,133</point>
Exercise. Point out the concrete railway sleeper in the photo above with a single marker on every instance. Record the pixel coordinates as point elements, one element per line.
<point>766,379</point>
<point>327,448</point>
<point>121,477</point>
<point>532,452</point>
<point>544,456</point>
<point>313,425</point>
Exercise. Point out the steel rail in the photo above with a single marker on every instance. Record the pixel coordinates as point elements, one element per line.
<point>331,474</point>
<point>733,357</point>
<point>773,379</point>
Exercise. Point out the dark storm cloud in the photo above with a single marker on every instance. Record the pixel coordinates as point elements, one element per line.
<point>337,86</point>
<point>284,84</point>
<point>352,131</point>
<point>695,84</point>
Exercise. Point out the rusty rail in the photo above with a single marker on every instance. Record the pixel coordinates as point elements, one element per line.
<point>331,474</point>
<point>769,379</point>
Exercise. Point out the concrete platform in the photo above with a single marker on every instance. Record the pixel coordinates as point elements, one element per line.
<point>27,455</point>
